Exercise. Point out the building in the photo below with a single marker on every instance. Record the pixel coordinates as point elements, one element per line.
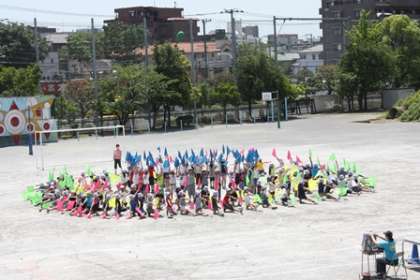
<point>52,71</point>
<point>218,53</point>
<point>251,31</point>
<point>285,42</point>
<point>347,12</point>
<point>163,23</point>
<point>310,59</point>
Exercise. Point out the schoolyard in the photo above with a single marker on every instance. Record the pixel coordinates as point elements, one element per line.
<point>308,242</point>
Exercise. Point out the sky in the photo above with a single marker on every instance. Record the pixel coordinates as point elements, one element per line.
<point>256,12</point>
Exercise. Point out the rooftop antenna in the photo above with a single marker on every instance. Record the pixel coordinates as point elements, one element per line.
<point>174,4</point>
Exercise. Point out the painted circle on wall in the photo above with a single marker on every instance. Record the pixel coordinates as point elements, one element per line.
<point>15,122</point>
<point>47,126</point>
<point>30,127</point>
<point>2,130</point>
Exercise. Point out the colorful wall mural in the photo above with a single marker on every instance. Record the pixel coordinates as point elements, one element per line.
<point>21,116</point>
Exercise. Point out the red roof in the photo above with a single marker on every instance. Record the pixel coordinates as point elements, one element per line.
<point>186,48</point>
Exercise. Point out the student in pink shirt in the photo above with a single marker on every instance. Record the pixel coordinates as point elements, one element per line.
<point>117,158</point>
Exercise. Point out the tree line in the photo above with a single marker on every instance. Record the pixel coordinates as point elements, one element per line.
<point>379,54</point>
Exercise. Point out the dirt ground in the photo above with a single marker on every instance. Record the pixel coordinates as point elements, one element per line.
<point>307,242</point>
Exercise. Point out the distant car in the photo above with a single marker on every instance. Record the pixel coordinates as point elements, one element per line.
<point>186,121</point>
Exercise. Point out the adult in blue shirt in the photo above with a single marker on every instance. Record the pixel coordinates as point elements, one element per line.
<point>386,243</point>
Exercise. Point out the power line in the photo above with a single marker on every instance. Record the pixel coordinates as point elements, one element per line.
<point>32,10</point>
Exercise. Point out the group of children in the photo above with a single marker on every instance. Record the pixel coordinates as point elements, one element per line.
<point>193,184</point>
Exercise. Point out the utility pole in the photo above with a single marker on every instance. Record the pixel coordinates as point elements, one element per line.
<point>146,42</point>
<point>193,78</point>
<point>232,12</point>
<point>36,41</point>
<point>276,52</point>
<point>206,57</point>
<point>94,74</point>
<point>193,74</point>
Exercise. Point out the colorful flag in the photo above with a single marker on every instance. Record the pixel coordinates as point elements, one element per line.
<point>289,155</point>
<point>274,153</point>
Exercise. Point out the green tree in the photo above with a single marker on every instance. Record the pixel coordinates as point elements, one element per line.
<point>121,40</point>
<point>175,66</point>
<point>367,58</point>
<point>17,45</point>
<point>256,73</point>
<point>225,94</point>
<point>79,93</point>
<point>122,93</point>
<point>307,81</point>
<point>19,81</point>
<point>79,46</point>
<point>326,78</point>
<point>154,89</point>
<point>346,88</point>
<point>64,109</point>
<point>402,34</point>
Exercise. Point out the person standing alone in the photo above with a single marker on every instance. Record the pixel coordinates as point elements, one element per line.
<point>117,158</point>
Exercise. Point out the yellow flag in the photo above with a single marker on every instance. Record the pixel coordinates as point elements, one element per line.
<point>313,185</point>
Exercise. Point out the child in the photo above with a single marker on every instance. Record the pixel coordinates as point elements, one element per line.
<point>249,201</point>
<point>215,204</point>
<point>198,204</point>
<point>117,158</point>
<point>183,204</point>
<point>149,205</point>
<point>170,212</point>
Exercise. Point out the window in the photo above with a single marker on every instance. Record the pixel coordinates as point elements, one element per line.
<point>52,60</point>
<point>314,57</point>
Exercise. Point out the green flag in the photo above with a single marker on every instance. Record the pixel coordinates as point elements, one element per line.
<point>257,199</point>
<point>342,189</point>
<point>371,182</point>
<point>51,175</point>
<point>332,157</point>
<point>292,199</point>
<point>332,167</point>
<point>36,198</point>
<point>317,197</point>
<point>355,169</point>
<point>28,192</point>
<point>88,171</point>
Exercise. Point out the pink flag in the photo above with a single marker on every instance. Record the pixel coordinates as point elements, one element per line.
<point>274,153</point>
<point>298,161</point>
<point>171,159</point>
<point>289,155</point>
<point>192,206</point>
<point>157,189</point>
<point>156,214</point>
<point>185,181</point>
<point>241,200</point>
<point>70,205</point>
<point>147,188</point>
<point>60,205</point>
<point>216,183</point>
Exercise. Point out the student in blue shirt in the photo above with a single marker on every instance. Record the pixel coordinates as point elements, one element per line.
<point>386,243</point>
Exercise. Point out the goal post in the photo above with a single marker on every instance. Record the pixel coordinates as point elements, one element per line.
<point>39,138</point>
